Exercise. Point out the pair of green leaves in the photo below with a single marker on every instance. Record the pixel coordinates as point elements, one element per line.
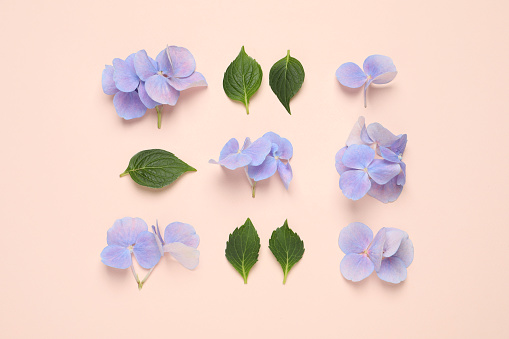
<point>243,246</point>
<point>156,168</point>
<point>244,76</point>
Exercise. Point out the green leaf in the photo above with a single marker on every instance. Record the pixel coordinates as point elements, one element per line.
<point>285,78</point>
<point>287,247</point>
<point>242,248</point>
<point>156,168</point>
<point>242,78</point>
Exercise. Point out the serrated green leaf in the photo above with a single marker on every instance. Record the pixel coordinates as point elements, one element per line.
<point>285,78</point>
<point>287,247</point>
<point>156,168</point>
<point>242,78</point>
<point>242,248</point>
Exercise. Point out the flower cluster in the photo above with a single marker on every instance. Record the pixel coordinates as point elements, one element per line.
<point>388,254</point>
<point>130,236</point>
<point>140,82</point>
<point>361,173</point>
<point>378,69</point>
<point>260,159</point>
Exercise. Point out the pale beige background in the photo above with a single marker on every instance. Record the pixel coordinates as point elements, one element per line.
<point>63,147</point>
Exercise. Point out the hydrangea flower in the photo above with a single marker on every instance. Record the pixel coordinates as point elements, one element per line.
<point>260,159</point>
<point>232,157</point>
<point>389,253</point>
<point>130,100</point>
<point>361,168</point>
<point>397,255</point>
<point>378,69</point>
<point>363,253</point>
<point>140,82</point>
<point>181,241</point>
<point>281,152</point>
<point>389,147</point>
<point>130,236</point>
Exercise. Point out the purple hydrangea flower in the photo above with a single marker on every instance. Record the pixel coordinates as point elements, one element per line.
<point>378,69</point>
<point>233,157</point>
<point>389,253</point>
<point>363,253</point>
<point>389,146</point>
<point>398,254</point>
<point>181,241</point>
<point>130,236</point>
<point>174,71</point>
<point>358,166</point>
<point>139,82</point>
<point>130,100</point>
<point>281,152</point>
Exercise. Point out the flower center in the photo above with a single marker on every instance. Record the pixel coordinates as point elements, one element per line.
<point>365,170</point>
<point>400,156</point>
<point>130,248</point>
<point>162,74</point>
<point>276,157</point>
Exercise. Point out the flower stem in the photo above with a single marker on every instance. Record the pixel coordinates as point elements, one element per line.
<point>135,275</point>
<point>251,182</point>
<point>140,283</point>
<point>158,117</point>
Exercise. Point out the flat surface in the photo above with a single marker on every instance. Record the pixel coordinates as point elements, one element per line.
<point>64,147</point>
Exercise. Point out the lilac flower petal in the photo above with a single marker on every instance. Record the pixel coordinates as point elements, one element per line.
<point>381,171</point>
<point>183,233</point>
<point>116,256</point>
<point>375,251</point>
<point>159,89</point>
<point>393,238</point>
<point>351,75</point>
<point>231,147</point>
<point>365,136</point>
<point>339,162</point>
<point>405,252</point>
<point>264,171</point>
<point>129,105</point>
<point>356,267</point>
<point>182,61</point>
<point>355,238</point>
<point>246,144</point>
<point>125,231</point>
<point>388,155</point>
<point>358,156</point>
<point>272,137</point>
<point>385,193</point>
<point>108,83</point>
<point>285,149</point>
<point>392,270</point>
<point>125,76</point>
<point>380,69</point>
<point>399,145</point>
<point>285,172</point>
<point>145,67</point>
<point>186,255</point>
<point>401,178</point>
<point>381,135</point>
<point>146,251</point>
<point>164,63</point>
<point>234,161</point>
<point>354,184</point>
<point>258,151</point>
<point>355,133</point>
<point>145,98</point>
<point>194,80</point>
